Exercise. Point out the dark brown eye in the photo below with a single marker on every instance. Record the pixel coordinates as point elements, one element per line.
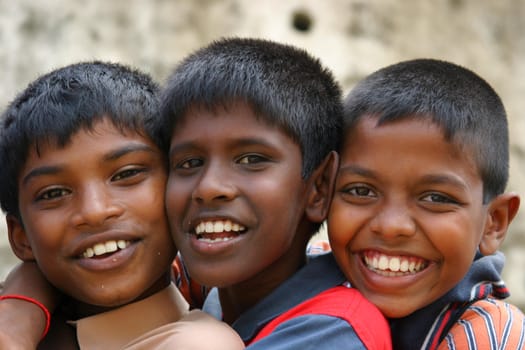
<point>126,173</point>
<point>53,193</point>
<point>190,163</point>
<point>361,191</point>
<point>251,159</point>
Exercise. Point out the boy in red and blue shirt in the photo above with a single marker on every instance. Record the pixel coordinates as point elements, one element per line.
<point>252,128</point>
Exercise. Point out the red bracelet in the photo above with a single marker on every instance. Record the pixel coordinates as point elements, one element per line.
<point>37,303</point>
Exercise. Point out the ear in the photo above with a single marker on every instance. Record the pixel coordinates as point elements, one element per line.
<point>18,239</point>
<point>322,189</point>
<point>501,212</point>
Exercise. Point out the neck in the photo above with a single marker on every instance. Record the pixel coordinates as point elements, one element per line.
<point>77,309</point>
<point>237,299</point>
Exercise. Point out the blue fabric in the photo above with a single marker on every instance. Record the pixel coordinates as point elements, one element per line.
<point>305,332</point>
<point>312,332</point>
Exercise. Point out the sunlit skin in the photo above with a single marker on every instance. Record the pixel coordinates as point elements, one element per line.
<point>412,200</point>
<point>237,179</point>
<point>104,186</point>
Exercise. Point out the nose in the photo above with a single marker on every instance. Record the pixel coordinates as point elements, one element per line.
<point>394,220</point>
<point>215,184</point>
<point>96,204</point>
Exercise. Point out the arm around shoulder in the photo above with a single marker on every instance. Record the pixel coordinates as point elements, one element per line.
<point>22,323</point>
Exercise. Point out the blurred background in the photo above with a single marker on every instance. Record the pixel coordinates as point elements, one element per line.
<point>352,37</point>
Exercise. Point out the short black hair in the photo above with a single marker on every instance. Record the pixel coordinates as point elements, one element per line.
<point>283,84</point>
<point>56,105</point>
<point>461,103</point>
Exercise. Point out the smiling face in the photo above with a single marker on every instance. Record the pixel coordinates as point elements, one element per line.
<point>407,215</point>
<point>93,215</point>
<point>235,198</point>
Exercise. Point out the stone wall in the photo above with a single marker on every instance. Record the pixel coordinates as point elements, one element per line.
<point>353,37</point>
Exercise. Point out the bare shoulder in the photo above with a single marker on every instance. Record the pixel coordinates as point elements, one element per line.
<point>194,331</point>
<point>209,333</point>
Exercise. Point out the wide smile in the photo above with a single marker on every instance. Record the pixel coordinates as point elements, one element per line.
<point>393,265</point>
<point>106,253</point>
<point>100,249</point>
<point>212,231</point>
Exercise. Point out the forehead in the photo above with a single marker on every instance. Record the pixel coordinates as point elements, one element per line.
<point>404,139</point>
<point>235,120</point>
<point>417,126</point>
<point>87,132</point>
<point>102,134</point>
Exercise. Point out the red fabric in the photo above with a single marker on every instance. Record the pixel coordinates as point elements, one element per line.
<point>347,304</point>
<point>193,292</point>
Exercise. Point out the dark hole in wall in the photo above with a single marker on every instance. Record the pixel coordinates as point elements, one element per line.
<point>302,21</point>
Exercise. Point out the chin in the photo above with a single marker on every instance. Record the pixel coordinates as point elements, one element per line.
<point>394,309</point>
<point>394,313</point>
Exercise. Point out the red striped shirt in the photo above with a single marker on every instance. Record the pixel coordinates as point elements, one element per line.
<point>487,324</point>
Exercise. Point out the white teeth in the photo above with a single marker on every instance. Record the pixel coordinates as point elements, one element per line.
<point>99,249</point>
<point>89,253</point>
<point>404,265</point>
<point>393,265</point>
<point>104,248</point>
<point>111,247</point>
<point>200,227</point>
<point>218,226</point>
<point>383,263</point>
<point>209,240</point>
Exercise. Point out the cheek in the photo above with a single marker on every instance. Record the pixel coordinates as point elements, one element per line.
<point>47,232</point>
<point>171,197</point>
<point>455,238</point>
<point>341,225</point>
<point>456,265</point>
<point>150,204</point>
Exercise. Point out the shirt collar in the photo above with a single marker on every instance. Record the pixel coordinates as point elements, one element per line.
<point>318,275</point>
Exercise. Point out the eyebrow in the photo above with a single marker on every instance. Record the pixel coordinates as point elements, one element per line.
<point>241,142</point>
<point>128,148</point>
<point>428,179</point>
<point>445,179</point>
<point>354,169</point>
<point>110,156</point>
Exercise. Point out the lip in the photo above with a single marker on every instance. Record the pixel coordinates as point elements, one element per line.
<point>382,282</point>
<point>194,222</point>
<point>219,246</point>
<point>197,219</point>
<point>91,239</point>
<point>111,261</point>
<point>214,248</point>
